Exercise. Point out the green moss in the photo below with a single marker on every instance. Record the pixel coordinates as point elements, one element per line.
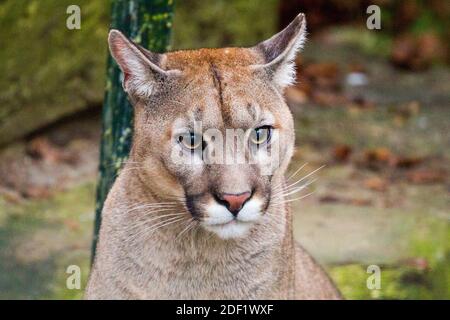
<point>429,279</point>
<point>223,23</point>
<point>49,71</point>
<point>39,239</point>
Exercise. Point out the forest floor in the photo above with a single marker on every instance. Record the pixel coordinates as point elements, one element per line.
<point>382,198</point>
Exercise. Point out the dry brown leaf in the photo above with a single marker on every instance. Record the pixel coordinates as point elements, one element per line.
<point>424,176</point>
<point>417,52</point>
<point>360,202</point>
<point>330,199</point>
<point>36,192</point>
<point>376,183</point>
<point>405,162</point>
<point>378,155</point>
<point>322,70</point>
<point>352,201</point>
<point>342,152</point>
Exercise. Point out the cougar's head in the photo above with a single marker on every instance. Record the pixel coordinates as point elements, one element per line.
<point>211,126</point>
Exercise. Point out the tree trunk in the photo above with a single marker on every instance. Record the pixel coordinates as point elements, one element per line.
<point>147,22</point>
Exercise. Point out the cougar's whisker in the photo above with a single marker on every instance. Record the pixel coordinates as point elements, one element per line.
<point>169,222</point>
<point>140,223</point>
<point>190,224</point>
<point>298,189</point>
<point>299,198</point>
<point>151,205</point>
<point>297,171</point>
<point>303,178</point>
<point>155,226</point>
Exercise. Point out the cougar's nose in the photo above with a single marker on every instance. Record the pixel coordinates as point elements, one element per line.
<point>233,202</point>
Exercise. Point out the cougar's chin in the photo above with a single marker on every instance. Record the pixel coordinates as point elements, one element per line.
<point>231,230</point>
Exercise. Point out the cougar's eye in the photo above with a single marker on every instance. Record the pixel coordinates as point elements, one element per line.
<point>261,135</point>
<point>190,140</point>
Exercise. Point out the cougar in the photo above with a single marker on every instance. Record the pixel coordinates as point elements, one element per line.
<point>177,225</point>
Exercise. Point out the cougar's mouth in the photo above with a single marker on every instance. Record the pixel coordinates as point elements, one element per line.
<point>233,221</point>
<point>227,225</point>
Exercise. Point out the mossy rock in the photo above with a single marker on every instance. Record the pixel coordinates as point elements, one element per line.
<point>49,71</point>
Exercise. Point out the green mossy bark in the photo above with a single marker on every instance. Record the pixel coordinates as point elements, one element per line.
<point>149,23</point>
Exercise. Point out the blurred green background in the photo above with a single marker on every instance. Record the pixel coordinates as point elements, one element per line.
<point>383,197</point>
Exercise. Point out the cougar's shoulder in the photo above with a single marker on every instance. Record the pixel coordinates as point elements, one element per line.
<point>311,281</point>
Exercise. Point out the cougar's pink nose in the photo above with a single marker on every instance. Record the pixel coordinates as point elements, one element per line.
<point>234,202</point>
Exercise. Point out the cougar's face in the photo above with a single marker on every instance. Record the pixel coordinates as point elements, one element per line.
<point>227,146</point>
<point>212,127</point>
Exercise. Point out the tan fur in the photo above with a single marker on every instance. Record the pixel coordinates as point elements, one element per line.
<point>135,260</point>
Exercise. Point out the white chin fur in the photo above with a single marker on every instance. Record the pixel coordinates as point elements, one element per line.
<point>231,230</point>
<point>220,221</point>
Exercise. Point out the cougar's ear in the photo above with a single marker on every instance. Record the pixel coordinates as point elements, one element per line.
<point>143,71</point>
<point>279,52</point>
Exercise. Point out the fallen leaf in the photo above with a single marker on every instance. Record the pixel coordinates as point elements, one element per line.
<point>403,53</point>
<point>36,192</point>
<point>378,155</point>
<point>424,176</point>
<point>357,67</point>
<point>430,48</point>
<point>330,199</point>
<point>360,202</point>
<point>417,52</point>
<point>361,103</point>
<point>405,162</point>
<point>342,152</point>
<point>320,71</point>
<point>376,183</point>
<point>351,201</point>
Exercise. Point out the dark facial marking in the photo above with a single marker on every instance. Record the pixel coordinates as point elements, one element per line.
<point>252,111</point>
<point>217,80</point>
<point>198,113</point>
<point>191,200</point>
